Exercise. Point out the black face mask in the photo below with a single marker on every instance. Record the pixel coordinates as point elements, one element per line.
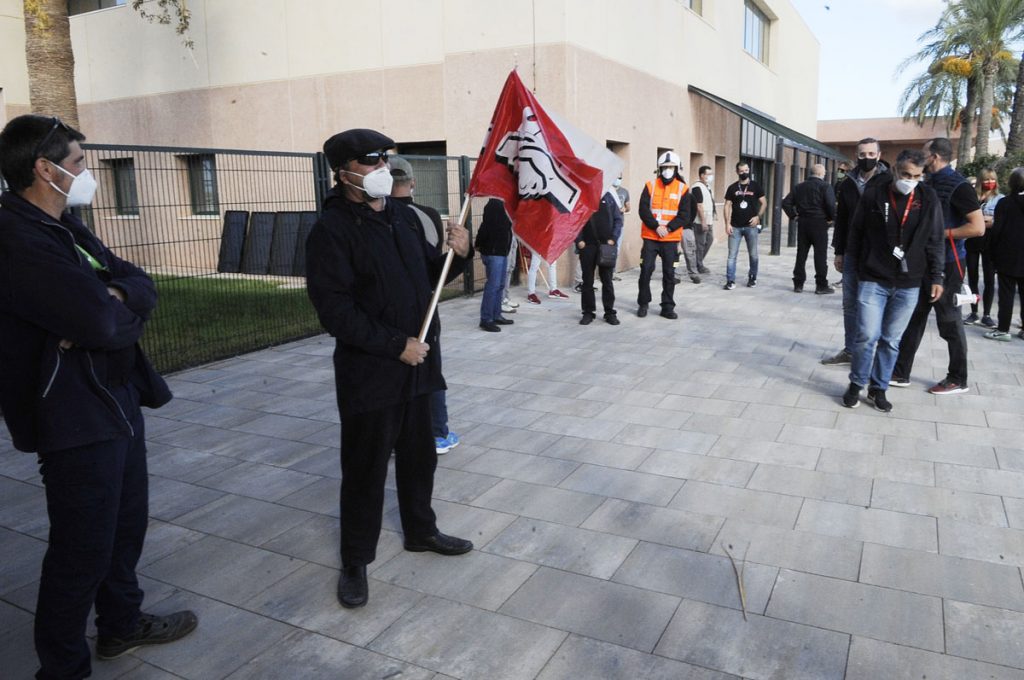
<point>744,176</point>
<point>866,164</point>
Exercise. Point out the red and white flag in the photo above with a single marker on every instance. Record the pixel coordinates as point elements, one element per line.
<point>537,167</point>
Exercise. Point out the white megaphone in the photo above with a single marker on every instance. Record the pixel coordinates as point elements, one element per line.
<point>965,297</point>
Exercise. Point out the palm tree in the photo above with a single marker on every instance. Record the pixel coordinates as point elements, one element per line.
<point>1015,142</point>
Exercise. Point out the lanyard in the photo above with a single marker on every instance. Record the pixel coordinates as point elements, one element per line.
<point>93,262</point>
<point>906,213</point>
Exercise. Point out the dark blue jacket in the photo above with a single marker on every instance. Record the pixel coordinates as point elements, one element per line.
<point>944,182</point>
<point>53,398</point>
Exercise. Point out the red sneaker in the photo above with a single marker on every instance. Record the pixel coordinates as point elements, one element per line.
<point>533,299</point>
<point>555,293</point>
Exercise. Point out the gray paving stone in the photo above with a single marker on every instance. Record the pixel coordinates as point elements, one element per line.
<point>736,427</point>
<point>483,580</point>
<point>956,452</point>
<point>513,439</point>
<point>23,558</point>
<point>499,413</point>
<point>938,502</point>
<point>799,550</point>
<point>185,465</point>
<point>615,613</point>
<point>1010,459</point>
<point>705,468</point>
<point>265,482</point>
<point>24,508</point>
<point>760,451</point>
<point>575,426</point>
<point>876,466</point>
<point>579,406</point>
<point>622,484</point>
<point>460,487</point>
<point>470,643</point>
<point>321,497</point>
<point>281,426</point>
<point>554,545</point>
<point>643,415</point>
<point>879,613</point>
<point>213,566</point>
<point>811,484</point>
<point>607,454</point>
<point>866,422</point>
<point>773,413</point>
<point>831,439</point>
<point>760,395</point>
<point>715,407</point>
<point>1014,512</point>
<point>143,671</point>
<point>1006,421</point>
<point>689,388</point>
<point>12,618</point>
<point>539,502</point>
<point>677,528</point>
<point>522,467</point>
<point>169,498</point>
<point>696,576</point>
<point>726,501</point>
<point>981,480</point>
<point>898,529</point>
<point>666,438</point>
<point>761,648</point>
<point>307,598</point>
<point>163,538</point>
<point>241,519</point>
<point>985,633</point>
<point>873,659</point>
<point>581,657</point>
<point>952,578</point>
<point>316,540</point>
<point>973,541</point>
<point>978,435</point>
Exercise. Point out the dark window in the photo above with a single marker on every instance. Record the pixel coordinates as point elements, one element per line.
<point>755,31</point>
<point>82,6</point>
<point>202,184</point>
<point>126,193</point>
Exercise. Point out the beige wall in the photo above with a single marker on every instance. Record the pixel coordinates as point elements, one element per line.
<point>13,69</point>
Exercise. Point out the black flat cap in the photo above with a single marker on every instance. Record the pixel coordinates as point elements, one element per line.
<point>346,145</point>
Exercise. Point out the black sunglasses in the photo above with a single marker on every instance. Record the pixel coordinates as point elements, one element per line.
<point>373,158</point>
<point>57,123</point>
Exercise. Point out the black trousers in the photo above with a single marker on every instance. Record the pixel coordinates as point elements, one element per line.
<point>988,293</point>
<point>668,251</point>
<point>97,500</point>
<point>950,322</point>
<point>588,262</point>
<point>367,440</point>
<point>812,233</point>
<point>1008,286</point>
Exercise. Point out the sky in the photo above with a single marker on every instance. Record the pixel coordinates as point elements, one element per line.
<point>862,43</point>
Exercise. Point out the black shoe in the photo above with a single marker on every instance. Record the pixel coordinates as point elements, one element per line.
<point>641,311</point>
<point>729,285</point>
<point>490,327</point>
<point>504,322</point>
<point>677,280</point>
<point>578,287</point>
<point>703,270</point>
<point>798,288</point>
<point>587,318</point>
<point>852,397</point>
<point>876,398</point>
<point>827,290</point>
<point>669,314</point>
<point>612,319</point>
<point>842,357</point>
<point>751,283</point>
<point>353,590</point>
<point>441,544</point>
<point>151,630</point>
<point>694,278</point>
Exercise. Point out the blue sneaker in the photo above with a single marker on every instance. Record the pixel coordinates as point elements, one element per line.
<point>453,440</point>
<point>442,445</point>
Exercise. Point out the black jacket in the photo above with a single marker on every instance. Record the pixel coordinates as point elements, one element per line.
<point>811,201</point>
<point>370,276</point>
<point>1006,240</point>
<point>53,398</point>
<point>875,232</point>
<point>495,234</point>
<point>604,225</point>
<point>847,198</point>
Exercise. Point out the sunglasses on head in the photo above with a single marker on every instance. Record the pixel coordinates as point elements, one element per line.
<point>373,158</point>
<point>57,123</point>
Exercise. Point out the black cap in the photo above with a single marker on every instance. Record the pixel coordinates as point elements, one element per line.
<point>346,145</point>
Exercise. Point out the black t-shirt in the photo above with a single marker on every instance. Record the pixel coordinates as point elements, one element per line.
<point>745,202</point>
<point>963,202</point>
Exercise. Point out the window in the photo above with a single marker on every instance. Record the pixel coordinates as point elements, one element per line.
<point>202,184</point>
<point>82,6</point>
<point>126,193</point>
<point>696,5</point>
<point>755,31</point>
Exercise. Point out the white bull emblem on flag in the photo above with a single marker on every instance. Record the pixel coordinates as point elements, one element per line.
<point>526,153</point>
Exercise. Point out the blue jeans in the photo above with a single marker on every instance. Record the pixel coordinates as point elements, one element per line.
<point>849,302</point>
<point>882,316</point>
<point>750,235</point>
<point>439,413</point>
<point>490,304</point>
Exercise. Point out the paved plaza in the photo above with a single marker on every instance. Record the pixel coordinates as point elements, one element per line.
<point>604,473</point>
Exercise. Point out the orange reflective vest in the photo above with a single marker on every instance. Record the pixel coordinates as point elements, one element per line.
<point>665,202</point>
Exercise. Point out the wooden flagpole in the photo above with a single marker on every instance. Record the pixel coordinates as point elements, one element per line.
<point>463,214</point>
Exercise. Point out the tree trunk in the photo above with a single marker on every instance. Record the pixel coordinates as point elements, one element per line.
<point>1015,142</point>
<point>51,62</point>
<point>988,75</point>
<point>963,148</point>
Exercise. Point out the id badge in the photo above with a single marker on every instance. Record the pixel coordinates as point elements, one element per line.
<point>743,205</point>
<point>897,252</point>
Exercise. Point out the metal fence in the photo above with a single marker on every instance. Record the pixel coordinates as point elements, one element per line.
<point>222,232</point>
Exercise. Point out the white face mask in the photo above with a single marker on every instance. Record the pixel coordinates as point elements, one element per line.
<point>709,180</point>
<point>905,186</point>
<point>376,184</point>
<point>668,173</point>
<point>82,189</point>
<point>617,182</point>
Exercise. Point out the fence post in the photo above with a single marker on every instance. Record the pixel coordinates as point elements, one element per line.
<point>464,177</point>
<point>321,179</point>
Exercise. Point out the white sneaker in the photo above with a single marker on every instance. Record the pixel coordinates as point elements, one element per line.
<point>507,308</point>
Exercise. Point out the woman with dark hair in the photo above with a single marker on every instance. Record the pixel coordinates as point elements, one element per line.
<point>1007,247</point>
<point>978,253</point>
